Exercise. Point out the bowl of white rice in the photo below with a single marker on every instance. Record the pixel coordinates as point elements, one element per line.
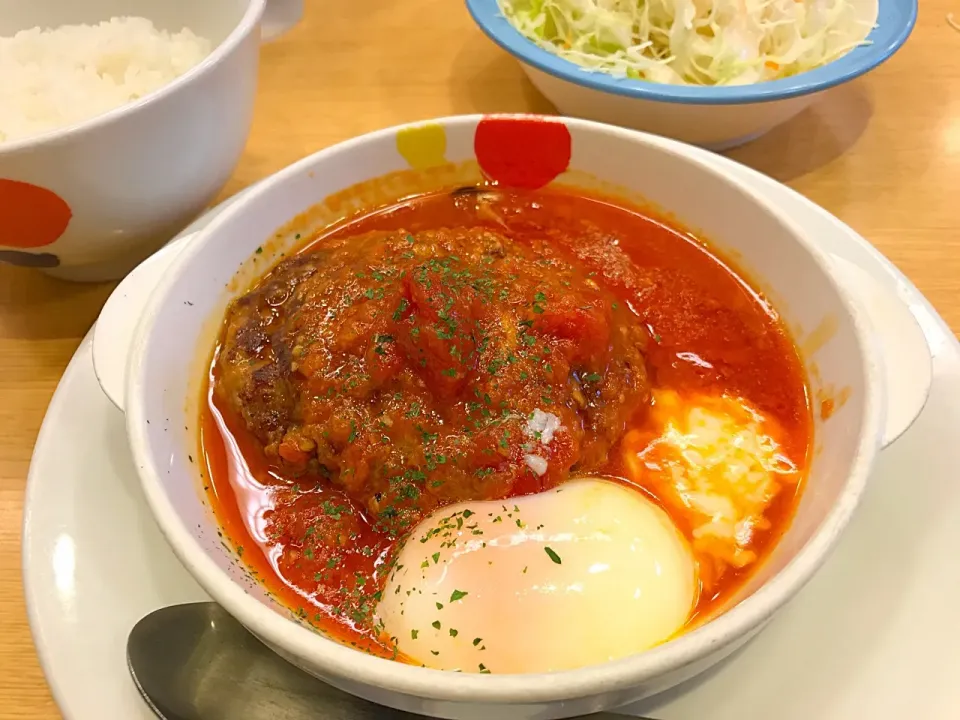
<point>120,120</point>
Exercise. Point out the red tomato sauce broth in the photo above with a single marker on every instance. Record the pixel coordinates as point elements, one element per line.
<point>707,331</point>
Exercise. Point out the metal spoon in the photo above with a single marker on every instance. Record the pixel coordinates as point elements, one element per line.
<point>195,662</point>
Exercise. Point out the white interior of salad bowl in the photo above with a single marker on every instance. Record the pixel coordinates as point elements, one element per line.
<point>181,322</point>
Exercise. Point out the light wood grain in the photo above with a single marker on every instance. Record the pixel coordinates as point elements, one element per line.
<point>883,154</point>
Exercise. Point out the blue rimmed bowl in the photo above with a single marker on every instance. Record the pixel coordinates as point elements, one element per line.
<point>713,117</point>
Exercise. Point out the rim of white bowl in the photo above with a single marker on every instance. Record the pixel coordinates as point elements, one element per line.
<point>895,22</point>
<point>336,660</point>
<point>248,22</point>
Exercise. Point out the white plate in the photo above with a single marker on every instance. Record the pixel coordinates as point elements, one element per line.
<point>874,635</point>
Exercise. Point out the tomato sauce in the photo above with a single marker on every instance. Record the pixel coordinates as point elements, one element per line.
<point>417,340</point>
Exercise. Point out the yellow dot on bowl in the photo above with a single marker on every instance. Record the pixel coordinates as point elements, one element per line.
<point>423,146</point>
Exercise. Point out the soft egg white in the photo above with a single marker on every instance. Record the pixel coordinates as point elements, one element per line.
<point>717,461</point>
<point>585,573</point>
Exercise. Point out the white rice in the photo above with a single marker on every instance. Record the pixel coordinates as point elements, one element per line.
<point>53,78</point>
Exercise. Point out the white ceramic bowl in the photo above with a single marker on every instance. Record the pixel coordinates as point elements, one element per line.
<point>131,178</point>
<point>713,117</point>
<point>881,364</point>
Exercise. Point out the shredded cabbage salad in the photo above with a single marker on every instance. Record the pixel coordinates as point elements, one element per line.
<point>694,42</point>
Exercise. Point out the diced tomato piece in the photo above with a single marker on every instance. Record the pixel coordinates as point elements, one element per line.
<point>588,328</point>
<point>438,339</point>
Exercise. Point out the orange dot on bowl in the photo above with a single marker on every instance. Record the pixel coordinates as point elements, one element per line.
<point>30,216</point>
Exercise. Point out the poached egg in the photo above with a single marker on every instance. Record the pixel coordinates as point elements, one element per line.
<point>587,572</point>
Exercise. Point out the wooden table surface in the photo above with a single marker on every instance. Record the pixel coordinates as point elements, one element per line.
<point>883,154</point>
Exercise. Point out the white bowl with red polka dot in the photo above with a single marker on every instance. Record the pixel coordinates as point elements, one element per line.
<point>92,200</point>
<point>861,341</point>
